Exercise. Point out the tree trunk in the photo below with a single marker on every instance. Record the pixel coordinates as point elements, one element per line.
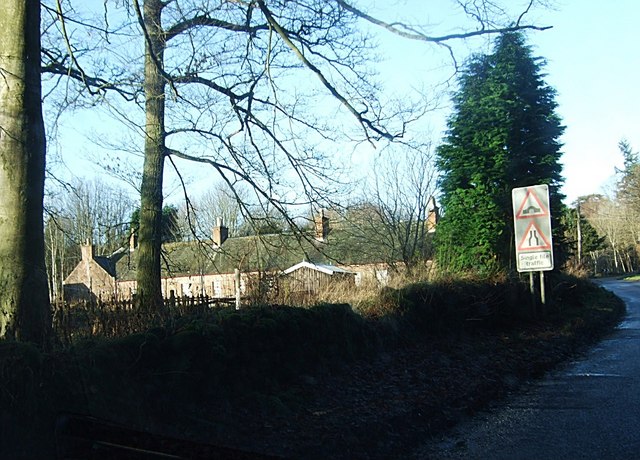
<point>24,301</point>
<point>629,262</point>
<point>53,261</point>
<point>150,232</point>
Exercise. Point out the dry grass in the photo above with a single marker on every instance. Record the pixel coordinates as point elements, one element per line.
<point>365,297</point>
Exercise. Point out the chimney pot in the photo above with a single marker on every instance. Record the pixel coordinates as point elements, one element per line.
<point>133,241</point>
<point>322,226</point>
<point>86,251</point>
<point>433,215</point>
<point>220,233</point>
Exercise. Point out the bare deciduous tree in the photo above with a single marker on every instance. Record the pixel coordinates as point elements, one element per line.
<point>244,60</point>
<point>397,205</point>
<point>255,89</point>
<point>200,214</point>
<point>94,211</point>
<point>609,218</point>
<point>84,211</point>
<point>404,189</point>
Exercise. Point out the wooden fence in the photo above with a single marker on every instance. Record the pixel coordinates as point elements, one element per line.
<point>118,317</point>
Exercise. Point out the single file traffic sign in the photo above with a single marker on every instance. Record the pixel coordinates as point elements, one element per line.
<point>532,224</point>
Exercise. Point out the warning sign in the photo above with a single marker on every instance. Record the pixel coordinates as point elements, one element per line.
<point>531,206</point>
<point>532,224</point>
<point>534,239</point>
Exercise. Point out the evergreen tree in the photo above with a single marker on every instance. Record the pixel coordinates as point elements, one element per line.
<point>628,192</point>
<point>628,155</point>
<point>504,133</point>
<point>590,240</point>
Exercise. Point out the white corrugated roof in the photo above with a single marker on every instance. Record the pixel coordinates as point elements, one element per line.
<point>324,268</point>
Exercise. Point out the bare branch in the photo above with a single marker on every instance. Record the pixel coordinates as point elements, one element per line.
<point>95,85</point>
<point>411,33</point>
<point>208,21</point>
<point>524,13</point>
<point>65,35</point>
<point>364,122</point>
<point>57,13</point>
<point>191,78</point>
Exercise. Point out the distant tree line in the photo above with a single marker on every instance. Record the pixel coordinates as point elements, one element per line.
<point>615,217</point>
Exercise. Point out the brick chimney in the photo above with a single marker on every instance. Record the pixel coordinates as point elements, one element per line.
<point>133,241</point>
<point>86,250</point>
<point>433,215</point>
<point>220,233</point>
<point>321,226</point>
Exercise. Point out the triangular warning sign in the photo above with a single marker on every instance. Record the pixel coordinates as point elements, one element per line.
<point>534,239</point>
<point>531,206</point>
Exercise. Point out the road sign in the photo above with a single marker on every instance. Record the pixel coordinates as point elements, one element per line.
<point>534,239</point>
<point>532,223</point>
<point>531,205</point>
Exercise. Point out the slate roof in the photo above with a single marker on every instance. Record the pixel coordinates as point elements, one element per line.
<point>249,253</point>
<point>109,263</point>
<point>106,263</point>
<point>258,253</point>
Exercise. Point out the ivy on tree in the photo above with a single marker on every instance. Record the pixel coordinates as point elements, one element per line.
<point>504,133</point>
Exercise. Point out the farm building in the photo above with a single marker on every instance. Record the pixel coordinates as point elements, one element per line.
<point>330,253</point>
<point>306,278</point>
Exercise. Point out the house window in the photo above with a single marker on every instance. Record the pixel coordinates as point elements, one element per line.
<point>217,288</point>
<point>382,276</point>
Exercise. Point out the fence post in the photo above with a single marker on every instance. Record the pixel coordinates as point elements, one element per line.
<point>237,273</point>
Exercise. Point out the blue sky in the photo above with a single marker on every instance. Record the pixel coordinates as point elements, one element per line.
<point>593,63</point>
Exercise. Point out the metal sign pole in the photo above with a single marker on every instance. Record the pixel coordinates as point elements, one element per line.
<point>532,288</point>
<point>532,291</point>
<point>543,297</point>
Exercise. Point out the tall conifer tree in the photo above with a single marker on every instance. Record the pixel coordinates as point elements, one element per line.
<point>504,133</point>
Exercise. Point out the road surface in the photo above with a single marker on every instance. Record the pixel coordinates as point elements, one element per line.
<point>588,410</point>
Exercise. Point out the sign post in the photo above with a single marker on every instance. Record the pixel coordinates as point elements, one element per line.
<point>532,225</point>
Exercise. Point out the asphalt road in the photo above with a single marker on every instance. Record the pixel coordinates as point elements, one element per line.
<point>588,410</point>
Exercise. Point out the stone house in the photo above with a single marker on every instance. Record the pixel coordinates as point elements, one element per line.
<point>94,277</point>
<point>193,268</point>
<point>299,262</point>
